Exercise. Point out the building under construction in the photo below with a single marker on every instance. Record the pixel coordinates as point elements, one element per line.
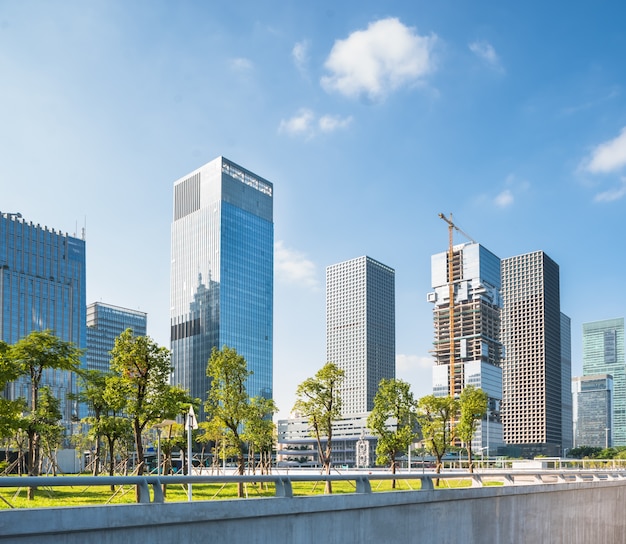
<point>467,347</point>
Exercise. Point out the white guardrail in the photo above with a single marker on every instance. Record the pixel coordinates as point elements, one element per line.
<point>283,481</point>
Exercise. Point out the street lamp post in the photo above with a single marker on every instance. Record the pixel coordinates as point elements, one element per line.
<point>190,424</point>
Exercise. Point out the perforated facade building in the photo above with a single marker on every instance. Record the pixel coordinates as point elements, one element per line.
<point>533,365</point>
<point>360,328</point>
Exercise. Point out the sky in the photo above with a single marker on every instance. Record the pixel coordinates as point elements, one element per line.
<point>370,119</point>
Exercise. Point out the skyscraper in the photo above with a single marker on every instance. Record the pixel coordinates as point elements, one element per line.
<point>105,323</point>
<point>474,348</point>
<point>532,413</point>
<point>361,328</point>
<point>603,353</point>
<point>567,423</point>
<point>593,410</point>
<point>42,286</point>
<point>222,274</point>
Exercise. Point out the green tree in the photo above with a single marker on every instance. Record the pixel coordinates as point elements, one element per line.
<point>319,400</point>
<point>91,393</point>
<point>581,452</point>
<point>10,410</point>
<point>473,405</point>
<point>436,419</point>
<point>393,420</point>
<point>48,420</point>
<point>31,356</point>
<point>228,402</point>
<point>259,432</point>
<point>214,432</point>
<point>141,371</point>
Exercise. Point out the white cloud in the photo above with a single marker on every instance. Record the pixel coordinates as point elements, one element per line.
<point>301,123</point>
<point>504,199</point>
<point>306,123</point>
<point>378,60</point>
<point>293,267</point>
<point>241,64</point>
<point>609,156</point>
<point>406,363</point>
<point>485,51</point>
<point>513,188</point>
<point>612,194</point>
<point>330,123</point>
<point>300,54</point>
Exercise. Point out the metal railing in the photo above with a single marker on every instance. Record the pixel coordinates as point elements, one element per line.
<point>284,488</point>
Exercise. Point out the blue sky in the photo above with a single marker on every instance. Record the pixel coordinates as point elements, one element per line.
<point>370,118</point>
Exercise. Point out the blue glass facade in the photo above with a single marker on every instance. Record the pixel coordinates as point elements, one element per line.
<point>42,286</point>
<point>593,410</point>
<point>604,353</point>
<point>222,274</point>
<point>104,324</point>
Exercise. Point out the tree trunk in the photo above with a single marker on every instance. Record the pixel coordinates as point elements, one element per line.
<point>241,465</point>
<point>96,455</point>
<point>111,459</point>
<point>138,448</point>
<point>327,465</point>
<point>33,460</point>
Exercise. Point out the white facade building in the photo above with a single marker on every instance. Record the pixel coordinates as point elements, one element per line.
<point>360,328</point>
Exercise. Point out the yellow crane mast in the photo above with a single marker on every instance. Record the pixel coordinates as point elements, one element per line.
<point>451,228</point>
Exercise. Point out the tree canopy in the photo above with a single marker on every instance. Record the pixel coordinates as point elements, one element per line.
<point>30,357</point>
<point>473,406</point>
<point>394,420</point>
<point>436,419</point>
<point>319,400</point>
<point>141,371</point>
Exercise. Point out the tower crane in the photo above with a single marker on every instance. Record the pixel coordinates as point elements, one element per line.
<point>451,228</point>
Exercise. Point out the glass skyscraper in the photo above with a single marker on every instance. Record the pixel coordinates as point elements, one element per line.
<point>105,323</point>
<point>42,286</point>
<point>360,328</point>
<point>222,268</point>
<point>603,353</point>
<point>593,410</point>
<point>475,340</point>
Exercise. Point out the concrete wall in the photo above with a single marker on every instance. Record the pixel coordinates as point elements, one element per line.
<point>572,513</point>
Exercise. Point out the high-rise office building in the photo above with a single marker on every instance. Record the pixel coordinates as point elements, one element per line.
<point>105,323</point>
<point>473,350</point>
<point>593,410</point>
<point>361,328</point>
<point>222,274</point>
<point>42,286</point>
<point>567,439</point>
<point>603,353</point>
<point>532,410</point>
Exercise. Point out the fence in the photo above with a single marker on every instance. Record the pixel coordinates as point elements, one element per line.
<point>284,488</point>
